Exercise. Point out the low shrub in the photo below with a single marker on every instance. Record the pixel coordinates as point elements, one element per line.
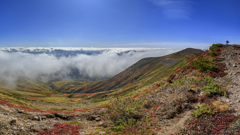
<point>212,54</point>
<point>204,65</point>
<point>129,126</point>
<point>209,124</point>
<point>172,76</point>
<point>169,80</point>
<point>125,109</point>
<point>62,128</point>
<point>214,47</point>
<point>221,67</point>
<point>215,74</point>
<point>208,109</point>
<point>128,116</point>
<point>213,89</point>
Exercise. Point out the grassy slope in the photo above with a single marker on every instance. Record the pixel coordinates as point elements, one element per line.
<point>142,73</point>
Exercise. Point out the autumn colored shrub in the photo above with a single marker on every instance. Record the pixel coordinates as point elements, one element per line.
<point>209,124</point>
<point>221,67</point>
<point>221,74</point>
<point>172,76</point>
<point>215,74</point>
<point>217,52</point>
<point>188,71</point>
<point>178,69</point>
<point>158,84</point>
<point>135,96</point>
<point>169,80</point>
<point>201,56</point>
<point>204,99</point>
<point>62,128</point>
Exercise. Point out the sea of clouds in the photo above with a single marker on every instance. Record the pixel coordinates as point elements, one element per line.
<point>104,65</point>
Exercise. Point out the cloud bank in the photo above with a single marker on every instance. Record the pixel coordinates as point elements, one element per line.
<point>14,65</point>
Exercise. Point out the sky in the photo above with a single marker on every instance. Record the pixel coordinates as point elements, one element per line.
<point>119,23</point>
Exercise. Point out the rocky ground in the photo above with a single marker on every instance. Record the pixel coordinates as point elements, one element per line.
<point>232,80</point>
<point>17,122</point>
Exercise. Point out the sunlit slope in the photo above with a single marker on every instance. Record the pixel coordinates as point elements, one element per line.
<point>142,73</point>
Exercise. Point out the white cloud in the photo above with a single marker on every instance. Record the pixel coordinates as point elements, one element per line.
<point>15,65</point>
<point>175,9</point>
<point>163,45</point>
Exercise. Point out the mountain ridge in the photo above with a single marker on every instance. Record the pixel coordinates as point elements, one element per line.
<point>179,93</point>
<point>137,71</point>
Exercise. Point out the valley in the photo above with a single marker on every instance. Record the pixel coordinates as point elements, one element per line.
<point>156,95</point>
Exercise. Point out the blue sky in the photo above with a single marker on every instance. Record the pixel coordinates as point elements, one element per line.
<point>119,23</point>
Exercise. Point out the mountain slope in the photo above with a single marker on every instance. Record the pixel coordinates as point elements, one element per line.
<point>142,73</point>
<point>198,100</point>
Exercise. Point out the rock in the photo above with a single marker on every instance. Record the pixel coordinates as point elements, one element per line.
<point>185,105</point>
<point>82,133</point>
<point>34,118</point>
<point>93,117</point>
<point>35,128</point>
<point>64,116</point>
<point>201,93</point>
<point>12,122</point>
<point>20,110</point>
<point>21,128</point>
<point>98,119</point>
<point>102,132</point>
<point>43,117</point>
<point>48,115</point>
<point>14,128</point>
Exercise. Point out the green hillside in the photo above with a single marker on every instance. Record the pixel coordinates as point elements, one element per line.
<point>142,73</point>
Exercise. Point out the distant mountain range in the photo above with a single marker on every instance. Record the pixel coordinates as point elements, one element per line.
<point>73,51</point>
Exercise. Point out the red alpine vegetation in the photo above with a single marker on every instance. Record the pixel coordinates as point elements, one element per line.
<point>62,128</point>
